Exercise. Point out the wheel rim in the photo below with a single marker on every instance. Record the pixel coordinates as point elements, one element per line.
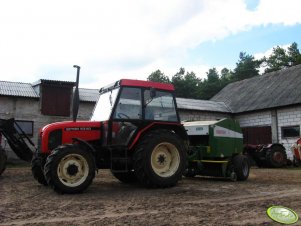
<point>165,159</point>
<point>278,157</point>
<point>73,170</point>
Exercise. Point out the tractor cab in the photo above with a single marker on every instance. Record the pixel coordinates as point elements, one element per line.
<point>127,106</point>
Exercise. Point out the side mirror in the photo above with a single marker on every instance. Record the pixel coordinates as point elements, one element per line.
<point>152,93</point>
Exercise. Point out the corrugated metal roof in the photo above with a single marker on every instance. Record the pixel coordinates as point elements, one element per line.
<point>88,95</point>
<point>202,105</point>
<point>276,89</point>
<point>53,82</point>
<point>17,89</point>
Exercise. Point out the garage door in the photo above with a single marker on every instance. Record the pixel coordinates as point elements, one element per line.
<point>257,135</point>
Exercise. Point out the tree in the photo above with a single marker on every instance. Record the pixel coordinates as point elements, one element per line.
<point>158,76</point>
<point>282,58</point>
<point>211,86</point>
<point>246,67</point>
<point>294,56</point>
<point>186,85</point>
<point>277,60</point>
<point>226,76</point>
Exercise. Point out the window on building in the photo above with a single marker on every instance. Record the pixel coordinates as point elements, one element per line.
<point>25,126</point>
<point>290,131</point>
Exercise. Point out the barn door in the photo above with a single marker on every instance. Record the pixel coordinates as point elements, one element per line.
<point>257,135</point>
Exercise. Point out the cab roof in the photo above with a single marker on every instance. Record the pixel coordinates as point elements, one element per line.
<point>138,83</point>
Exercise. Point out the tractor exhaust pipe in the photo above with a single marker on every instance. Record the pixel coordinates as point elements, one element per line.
<point>75,103</point>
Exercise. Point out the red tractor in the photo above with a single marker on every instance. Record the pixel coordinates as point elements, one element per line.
<point>134,131</point>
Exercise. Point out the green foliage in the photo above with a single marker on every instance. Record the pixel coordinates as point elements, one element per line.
<point>188,85</point>
<point>211,85</point>
<point>246,67</point>
<point>281,58</point>
<point>158,76</point>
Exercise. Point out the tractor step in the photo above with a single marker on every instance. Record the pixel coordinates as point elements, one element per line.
<point>119,158</point>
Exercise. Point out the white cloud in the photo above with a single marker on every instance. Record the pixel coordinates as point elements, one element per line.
<point>115,39</point>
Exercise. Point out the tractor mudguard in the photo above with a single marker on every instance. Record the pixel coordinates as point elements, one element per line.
<point>83,144</point>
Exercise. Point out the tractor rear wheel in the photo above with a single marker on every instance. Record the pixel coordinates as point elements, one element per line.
<point>3,159</point>
<point>159,159</point>
<point>69,169</point>
<point>37,169</point>
<point>241,167</point>
<point>127,177</point>
<point>276,157</point>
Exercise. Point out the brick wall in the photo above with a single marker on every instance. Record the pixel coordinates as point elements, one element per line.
<point>262,118</point>
<point>288,117</point>
<point>29,109</point>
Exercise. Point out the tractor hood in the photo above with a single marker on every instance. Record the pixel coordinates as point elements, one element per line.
<point>55,134</point>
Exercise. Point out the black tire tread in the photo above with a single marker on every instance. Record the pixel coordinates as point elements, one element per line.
<point>238,164</point>
<point>37,170</point>
<point>269,157</point>
<point>140,160</point>
<point>49,170</point>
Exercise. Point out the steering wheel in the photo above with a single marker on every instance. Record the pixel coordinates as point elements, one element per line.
<point>122,115</point>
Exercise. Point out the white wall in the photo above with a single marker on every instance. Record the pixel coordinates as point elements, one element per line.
<point>288,117</point>
<point>284,117</point>
<point>262,118</point>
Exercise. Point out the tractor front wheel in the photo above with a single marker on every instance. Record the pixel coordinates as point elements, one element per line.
<point>69,169</point>
<point>3,159</point>
<point>159,159</point>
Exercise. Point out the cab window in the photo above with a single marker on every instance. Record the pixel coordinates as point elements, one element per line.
<point>129,104</point>
<point>159,107</point>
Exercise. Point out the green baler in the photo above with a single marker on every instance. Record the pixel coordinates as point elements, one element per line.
<point>216,149</point>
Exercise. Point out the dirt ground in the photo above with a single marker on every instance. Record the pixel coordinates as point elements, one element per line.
<point>194,201</point>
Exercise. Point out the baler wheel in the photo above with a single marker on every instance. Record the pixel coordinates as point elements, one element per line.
<point>159,159</point>
<point>127,177</point>
<point>3,159</point>
<point>69,169</point>
<point>241,167</point>
<point>37,169</point>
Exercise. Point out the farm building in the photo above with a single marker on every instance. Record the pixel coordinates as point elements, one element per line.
<point>268,107</point>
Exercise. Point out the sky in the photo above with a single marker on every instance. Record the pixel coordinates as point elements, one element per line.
<point>118,39</point>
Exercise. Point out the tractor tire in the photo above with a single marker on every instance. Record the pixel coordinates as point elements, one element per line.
<point>3,159</point>
<point>37,169</point>
<point>69,169</point>
<point>127,177</point>
<point>276,157</point>
<point>241,167</point>
<point>159,159</point>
